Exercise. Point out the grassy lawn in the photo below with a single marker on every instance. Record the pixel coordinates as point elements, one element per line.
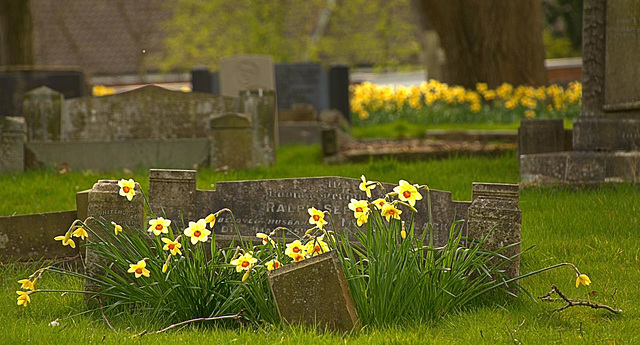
<point>596,229</point>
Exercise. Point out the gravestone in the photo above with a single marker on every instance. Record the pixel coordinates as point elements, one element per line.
<point>263,205</point>
<point>12,140</point>
<point>106,205</point>
<point>494,211</point>
<point>260,104</point>
<point>173,196</point>
<point>149,112</point>
<point>301,83</point>
<point>42,110</point>
<point>231,142</point>
<point>202,80</point>
<point>606,135</point>
<point>323,301</point>
<point>540,136</point>
<point>339,90</point>
<point>246,72</point>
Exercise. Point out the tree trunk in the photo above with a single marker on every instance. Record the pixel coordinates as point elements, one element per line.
<point>492,41</point>
<point>16,33</point>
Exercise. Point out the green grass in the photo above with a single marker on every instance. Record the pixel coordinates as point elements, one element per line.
<point>596,229</point>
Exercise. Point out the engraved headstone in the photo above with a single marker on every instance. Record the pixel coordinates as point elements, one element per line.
<point>246,72</point>
<point>231,142</point>
<point>494,210</point>
<point>12,140</point>
<point>301,83</point>
<point>540,136</point>
<point>173,195</point>
<point>324,301</point>
<point>260,104</point>
<point>42,109</point>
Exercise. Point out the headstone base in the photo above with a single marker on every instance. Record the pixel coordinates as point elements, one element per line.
<point>580,167</point>
<point>606,133</point>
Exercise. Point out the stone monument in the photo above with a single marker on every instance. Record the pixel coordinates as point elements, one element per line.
<point>246,72</point>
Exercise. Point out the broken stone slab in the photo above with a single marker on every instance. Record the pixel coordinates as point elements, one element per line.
<point>314,292</point>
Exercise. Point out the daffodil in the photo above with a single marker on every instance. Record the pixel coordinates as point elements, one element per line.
<point>211,219</point>
<point>407,192</point>
<point>366,186</point>
<point>159,226</point>
<point>139,269</point>
<point>127,188</point>
<point>583,279</point>
<point>297,257</point>
<point>116,228</point>
<point>80,232</point>
<point>244,262</point>
<point>390,211</point>
<point>379,203</point>
<point>360,210</point>
<point>23,298</point>
<point>66,240</point>
<point>172,246</point>
<point>272,265</point>
<point>27,284</point>
<point>197,231</point>
<point>295,249</point>
<point>265,238</point>
<point>317,217</point>
<point>316,246</point>
<point>165,267</point>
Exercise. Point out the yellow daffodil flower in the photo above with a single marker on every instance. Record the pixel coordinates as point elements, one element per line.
<point>211,219</point>
<point>407,192</point>
<point>127,188</point>
<point>23,298</point>
<point>80,232</point>
<point>27,284</point>
<point>366,186</point>
<point>583,279</point>
<point>66,240</point>
<point>272,265</point>
<point>297,257</point>
<point>159,226</point>
<point>316,246</point>
<point>380,203</point>
<point>139,269</point>
<point>116,228</point>
<point>317,218</point>
<point>295,249</point>
<point>360,210</point>
<point>389,211</point>
<point>198,231</point>
<point>172,246</point>
<point>244,262</point>
<point>265,238</point>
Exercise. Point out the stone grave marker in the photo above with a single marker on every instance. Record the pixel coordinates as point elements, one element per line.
<point>339,90</point>
<point>42,110</point>
<point>246,72</point>
<point>12,140</point>
<point>231,142</point>
<point>541,136</point>
<point>260,104</point>
<point>301,83</point>
<point>324,301</point>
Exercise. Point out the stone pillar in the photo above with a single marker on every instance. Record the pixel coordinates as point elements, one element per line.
<point>12,139</point>
<point>172,194</point>
<point>494,208</point>
<point>339,90</point>
<point>106,205</point>
<point>541,136</point>
<point>260,104</point>
<point>231,142</point>
<point>42,109</point>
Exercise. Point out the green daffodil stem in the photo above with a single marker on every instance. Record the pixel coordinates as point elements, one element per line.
<point>406,204</point>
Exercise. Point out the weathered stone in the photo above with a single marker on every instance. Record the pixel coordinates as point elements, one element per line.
<point>298,112</point>
<point>541,136</point>
<point>246,72</point>
<point>494,211</point>
<point>30,237</point>
<point>42,110</point>
<point>339,90</point>
<point>261,106</point>
<point>172,195</point>
<point>301,83</point>
<point>231,142</point>
<point>106,205</point>
<point>324,301</point>
<point>12,140</point>
<point>330,145</point>
<point>149,112</point>
<point>300,133</point>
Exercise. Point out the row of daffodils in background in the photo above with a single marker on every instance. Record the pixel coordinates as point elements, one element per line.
<point>187,275</point>
<point>436,102</point>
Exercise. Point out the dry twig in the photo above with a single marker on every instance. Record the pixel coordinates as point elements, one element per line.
<point>236,316</point>
<point>573,303</point>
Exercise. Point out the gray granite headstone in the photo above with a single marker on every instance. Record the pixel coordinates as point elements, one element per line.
<point>42,109</point>
<point>260,104</point>
<point>540,136</point>
<point>246,72</point>
<point>323,301</point>
<point>12,140</point>
<point>301,83</point>
<point>231,142</point>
